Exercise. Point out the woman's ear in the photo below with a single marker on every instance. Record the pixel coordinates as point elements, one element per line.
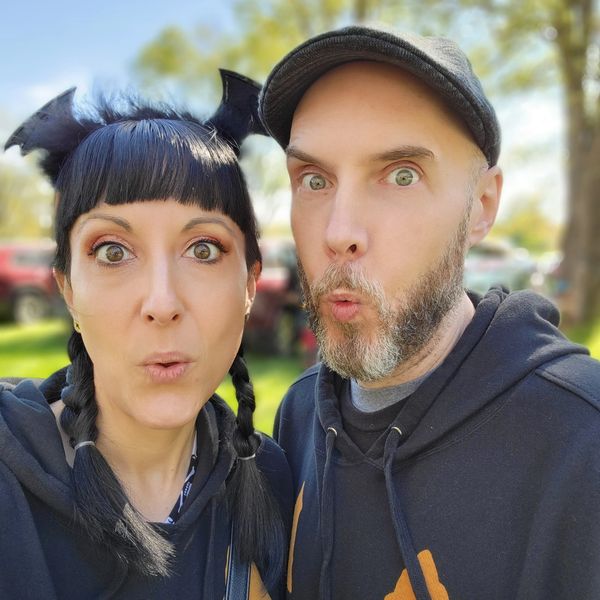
<point>253,275</point>
<point>65,288</point>
<point>485,204</point>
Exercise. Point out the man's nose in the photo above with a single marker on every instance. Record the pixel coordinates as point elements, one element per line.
<point>346,231</point>
<point>162,302</point>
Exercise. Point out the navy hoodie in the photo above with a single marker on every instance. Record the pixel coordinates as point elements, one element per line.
<point>486,486</point>
<point>44,554</point>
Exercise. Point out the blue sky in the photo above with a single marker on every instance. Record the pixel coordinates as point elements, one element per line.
<point>48,46</point>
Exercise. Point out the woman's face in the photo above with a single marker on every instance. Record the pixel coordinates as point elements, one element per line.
<point>160,291</point>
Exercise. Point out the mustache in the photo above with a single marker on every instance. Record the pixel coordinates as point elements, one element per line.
<point>341,277</point>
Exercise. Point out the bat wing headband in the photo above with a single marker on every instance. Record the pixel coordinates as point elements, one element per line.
<point>56,129</point>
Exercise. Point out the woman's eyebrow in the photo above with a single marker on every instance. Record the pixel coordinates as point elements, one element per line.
<point>116,220</point>
<point>207,220</point>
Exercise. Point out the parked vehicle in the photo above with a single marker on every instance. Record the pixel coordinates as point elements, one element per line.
<point>494,262</point>
<point>28,291</point>
<point>277,320</point>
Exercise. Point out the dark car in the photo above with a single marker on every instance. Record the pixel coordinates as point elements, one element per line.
<point>277,320</point>
<point>28,291</point>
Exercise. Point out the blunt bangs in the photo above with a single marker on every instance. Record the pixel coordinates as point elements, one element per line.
<point>153,159</point>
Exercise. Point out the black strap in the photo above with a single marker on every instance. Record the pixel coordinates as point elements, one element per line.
<point>238,580</point>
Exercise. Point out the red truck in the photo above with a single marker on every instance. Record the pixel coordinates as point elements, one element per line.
<point>28,291</point>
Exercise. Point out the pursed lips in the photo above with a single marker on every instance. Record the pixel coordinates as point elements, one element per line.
<point>166,366</point>
<point>344,305</point>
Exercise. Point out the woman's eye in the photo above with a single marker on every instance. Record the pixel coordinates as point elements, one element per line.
<point>111,253</point>
<point>314,182</point>
<point>204,251</point>
<point>403,176</point>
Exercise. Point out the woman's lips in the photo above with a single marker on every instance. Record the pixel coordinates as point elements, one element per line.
<point>161,372</point>
<point>167,366</point>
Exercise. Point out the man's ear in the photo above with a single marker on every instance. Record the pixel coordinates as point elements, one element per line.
<point>65,288</point>
<point>485,204</point>
<point>253,275</point>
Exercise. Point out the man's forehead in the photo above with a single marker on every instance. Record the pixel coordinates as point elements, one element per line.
<point>373,98</point>
<point>360,75</point>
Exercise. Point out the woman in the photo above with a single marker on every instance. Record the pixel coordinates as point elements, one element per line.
<point>140,482</point>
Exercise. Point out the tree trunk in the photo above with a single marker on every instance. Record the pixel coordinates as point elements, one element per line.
<point>583,144</point>
<point>590,269</point>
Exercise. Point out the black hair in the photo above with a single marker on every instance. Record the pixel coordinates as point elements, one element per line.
<point>149,153</point>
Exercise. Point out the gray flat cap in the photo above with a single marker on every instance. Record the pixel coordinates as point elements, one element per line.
<point>438,62</point>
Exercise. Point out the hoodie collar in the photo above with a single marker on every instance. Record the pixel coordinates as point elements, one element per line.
<point>509,336</point>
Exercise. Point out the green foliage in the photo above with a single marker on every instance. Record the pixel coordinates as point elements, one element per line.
<point>588,335</point>
<point>26,200</point>
<point>527,226</point>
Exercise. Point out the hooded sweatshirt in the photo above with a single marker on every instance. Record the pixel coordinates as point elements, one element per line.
<point>45,554</point>
<point>485,486</point>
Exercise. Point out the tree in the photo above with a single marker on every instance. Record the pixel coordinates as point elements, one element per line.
<point>517,45</point>
<point>25,200</point>
<point>526,226</point>
<point>569,29</point>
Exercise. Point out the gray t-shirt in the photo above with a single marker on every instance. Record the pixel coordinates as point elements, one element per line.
<point>367,413</point>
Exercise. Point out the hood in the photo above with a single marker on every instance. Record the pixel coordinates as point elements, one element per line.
<point>31,447</point>
<point>32,450</point>
<point>511,335</point>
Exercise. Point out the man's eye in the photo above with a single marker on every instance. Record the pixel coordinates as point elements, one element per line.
<point>403,176</point>
<point>204,251</point>
<point>111,253</point>
<point>314,182</point>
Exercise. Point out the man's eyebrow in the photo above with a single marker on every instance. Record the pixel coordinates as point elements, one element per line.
<point>207,220</point>
<point>404,152</point>
<point>100,216</point>
<point>293,152</point>
<point>400,153</point>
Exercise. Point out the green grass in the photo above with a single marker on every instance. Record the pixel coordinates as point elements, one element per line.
<point>589,336</point>
<point>33,350</point>
<point>39,350</point>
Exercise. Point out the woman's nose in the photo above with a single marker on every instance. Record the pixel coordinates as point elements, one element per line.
<point>162,303</point>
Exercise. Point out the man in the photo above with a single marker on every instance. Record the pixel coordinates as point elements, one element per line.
<point>449,445</point>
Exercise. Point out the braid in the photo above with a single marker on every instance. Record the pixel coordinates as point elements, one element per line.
<point>102,507</point>
<point>258,532</point>
<point>245,441</point>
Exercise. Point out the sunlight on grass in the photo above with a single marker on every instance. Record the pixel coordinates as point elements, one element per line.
<point>33,350</point>
<point>271,377</point>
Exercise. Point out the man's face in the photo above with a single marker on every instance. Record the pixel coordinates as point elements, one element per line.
<point>385,202</point>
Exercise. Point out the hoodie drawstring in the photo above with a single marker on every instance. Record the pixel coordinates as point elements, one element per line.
<point>208,567</point>
<point>327,525</point>
<point>411,561</point>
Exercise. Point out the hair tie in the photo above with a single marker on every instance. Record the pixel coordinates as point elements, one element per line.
<point>247,457</point>
<point>86,443</point>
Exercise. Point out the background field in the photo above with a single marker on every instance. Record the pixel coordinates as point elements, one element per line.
<point>38,350</point>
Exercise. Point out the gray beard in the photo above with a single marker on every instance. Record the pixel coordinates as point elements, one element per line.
<point>400,334</point>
